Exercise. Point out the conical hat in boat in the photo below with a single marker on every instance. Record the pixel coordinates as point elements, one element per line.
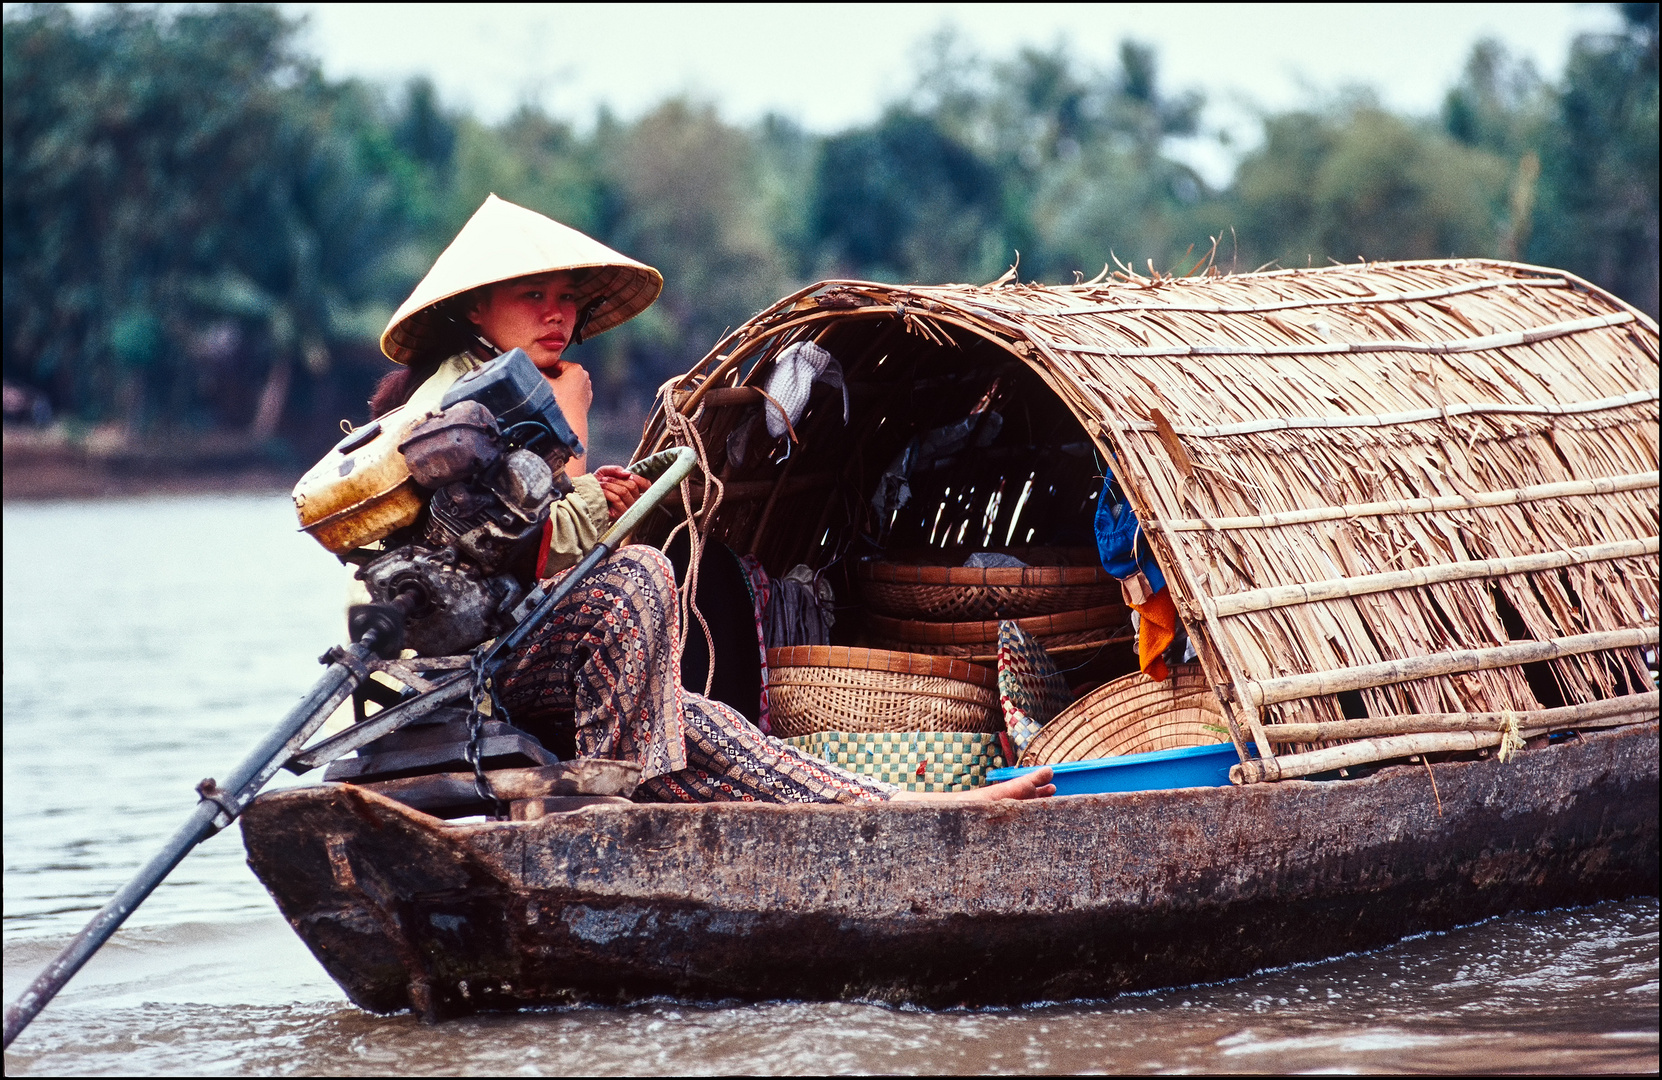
<point>502,242</point>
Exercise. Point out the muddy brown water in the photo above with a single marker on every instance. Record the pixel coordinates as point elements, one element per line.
<point>149,642</point>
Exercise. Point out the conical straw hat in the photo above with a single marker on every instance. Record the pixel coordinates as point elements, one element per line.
<point>502,242</point>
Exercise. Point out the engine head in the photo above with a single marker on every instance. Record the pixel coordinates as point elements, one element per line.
<point>456,605</point>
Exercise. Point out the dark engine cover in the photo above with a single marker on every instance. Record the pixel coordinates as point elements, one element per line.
<point>518,396</point>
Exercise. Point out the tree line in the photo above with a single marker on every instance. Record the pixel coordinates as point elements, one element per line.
<point>202,232</point>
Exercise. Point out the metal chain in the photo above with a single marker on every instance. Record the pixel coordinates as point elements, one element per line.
<point>483,688</point>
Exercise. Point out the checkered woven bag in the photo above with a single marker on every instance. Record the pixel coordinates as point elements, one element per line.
<point>914,760</point>
<point>1030,688</point>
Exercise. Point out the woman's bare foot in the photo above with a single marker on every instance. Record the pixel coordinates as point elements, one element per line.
<point>1033,785</point>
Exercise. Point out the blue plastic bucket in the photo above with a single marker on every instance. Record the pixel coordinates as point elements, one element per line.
<point>1188,766</point>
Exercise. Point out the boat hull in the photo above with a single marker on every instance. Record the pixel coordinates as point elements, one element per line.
<point>943,904</point>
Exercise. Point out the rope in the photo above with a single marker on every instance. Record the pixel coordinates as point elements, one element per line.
<point>697,523</point>
<point>1511,739</point>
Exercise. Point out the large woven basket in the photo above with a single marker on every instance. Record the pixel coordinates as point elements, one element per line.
<point>922,590</point>
<point>813,688</point>
<point>1133,715</point>
<point>914,760</point>
<point>1064,632</point>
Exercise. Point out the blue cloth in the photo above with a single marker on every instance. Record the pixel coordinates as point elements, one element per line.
<point>1120,543</point>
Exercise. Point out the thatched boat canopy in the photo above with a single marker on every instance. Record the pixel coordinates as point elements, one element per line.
<point>1388,498</point>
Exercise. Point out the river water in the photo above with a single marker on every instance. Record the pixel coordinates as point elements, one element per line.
<point>149,642</point>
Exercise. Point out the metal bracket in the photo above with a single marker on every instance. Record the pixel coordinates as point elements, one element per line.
<point>337,655</point>
<point>208,790</point>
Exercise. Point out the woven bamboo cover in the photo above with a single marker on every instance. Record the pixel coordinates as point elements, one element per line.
<point>958,593</point>
<point>1133,715</point>
<point>1350,470</point>
<point>914,760</point>
<point>926,694</point>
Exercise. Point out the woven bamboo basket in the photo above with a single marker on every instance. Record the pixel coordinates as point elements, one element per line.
<point>907,590</point>
<point>1064,632</point>
<point>914,760</point>
<point>814,688</point>
<point>1133,715</point>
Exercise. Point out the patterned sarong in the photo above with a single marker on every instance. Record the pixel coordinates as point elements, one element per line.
<point>608,654</point>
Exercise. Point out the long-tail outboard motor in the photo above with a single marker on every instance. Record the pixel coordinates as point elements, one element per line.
<point>489,465</point>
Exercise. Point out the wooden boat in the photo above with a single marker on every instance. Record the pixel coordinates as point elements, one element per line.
<point>969,904</point>
<point>1408,517</point>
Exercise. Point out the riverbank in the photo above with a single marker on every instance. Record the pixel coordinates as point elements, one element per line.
<point>50,463</point>
<point>60,462</point>
<point>46,482</point>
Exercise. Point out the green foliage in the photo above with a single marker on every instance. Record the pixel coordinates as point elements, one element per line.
<point>202,230</point>
<point>904,200</point>
<point>1500,104</point>
<point>684,183</point>
<point>173,182</point>
<point>1357,182</point>
<point>1597,212</point>
<point>1078,159</point>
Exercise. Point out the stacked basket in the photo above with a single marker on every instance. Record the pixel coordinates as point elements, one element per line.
<point>1133,715</point>
<point>1069,606</point>
<point>926,723</point>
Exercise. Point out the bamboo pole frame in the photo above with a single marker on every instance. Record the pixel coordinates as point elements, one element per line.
<point>1373,726</point>
<point>1281,596</point>
<point>1228,682</point>
<point>1365,676</point>
<point>1561,489</point>
<point>1412,416</point>
<point>1291,305</point>
<point>725,365</point>
<point>1238,708</point>
<point>1437,348</point>
<point>1369,751</point>
<point>719,396</point>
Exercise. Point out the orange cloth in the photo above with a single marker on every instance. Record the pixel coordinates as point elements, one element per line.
<point>1155,634</point>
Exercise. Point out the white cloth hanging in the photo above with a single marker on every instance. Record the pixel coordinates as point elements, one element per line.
<point>795,370</point>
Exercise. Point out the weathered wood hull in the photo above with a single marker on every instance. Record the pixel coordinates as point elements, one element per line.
<point>943,904</point>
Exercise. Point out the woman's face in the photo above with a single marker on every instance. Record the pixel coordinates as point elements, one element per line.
<point>536,314</point>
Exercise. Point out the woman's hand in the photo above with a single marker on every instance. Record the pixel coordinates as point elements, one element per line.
<point>622,488</point>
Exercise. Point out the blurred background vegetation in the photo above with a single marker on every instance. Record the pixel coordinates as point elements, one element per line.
<point>204,236</point>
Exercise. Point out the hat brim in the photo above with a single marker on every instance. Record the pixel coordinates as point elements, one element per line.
<point>624,292</point>
<point>504,242</point>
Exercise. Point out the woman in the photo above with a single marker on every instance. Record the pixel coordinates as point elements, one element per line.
<point>515,279</point>
<point>608,654</point>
